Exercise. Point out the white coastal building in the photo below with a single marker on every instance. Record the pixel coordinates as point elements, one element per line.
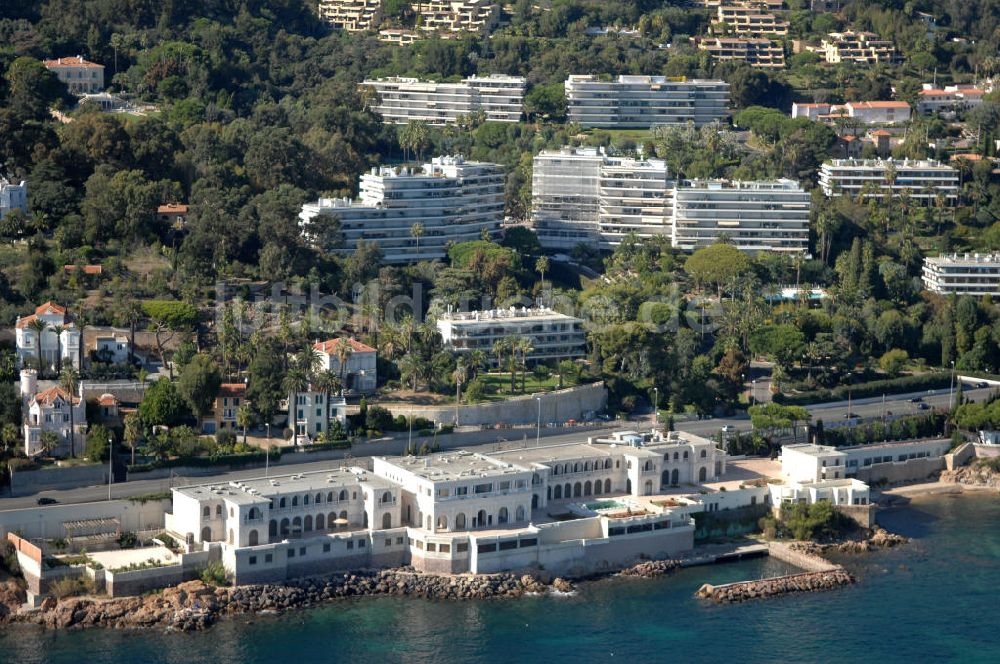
<point>13,197</point>
<point>49,411</point>
<point>585,506</point>
<point>450,199</point>
<point>644,101</point>
<point>554,336</point>
<point>864,112</point>
<point>402,100</point>
<point>584,196</point>
<point>922,181</point>
<point>755,216</point>
<point>810,473</point>
<point>963,274</point>
<point>111,348</point>
<point>354,362</point>
<point>58,342</point>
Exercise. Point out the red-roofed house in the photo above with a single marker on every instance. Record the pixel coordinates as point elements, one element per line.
<point>227,402</point>
<point>172,214</point>
<point>866,112</point>
<point>359,371</point>
<point>80,76</point>
<point>52,346</point>
<point>49,410</point>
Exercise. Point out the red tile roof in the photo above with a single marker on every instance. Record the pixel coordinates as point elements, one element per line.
<point>232,390</point>
<point>23,322</point>
<point>49,307</point>
<point>49,396</point>
<point>879,104</point>
<point>172,208</point>
<point>882,132</point>
<point>330,346</point>
<point>87,269</point>
<point>78,61</point>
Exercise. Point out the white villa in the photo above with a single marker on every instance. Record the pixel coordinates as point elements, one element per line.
<point>80,76</point>
<point>111,348</point>
<point>13,196</point>
<point>811,473</point>
<point>462,512</point>
<point>360,371</point>
<point>59,342</point>
<point>49,410</point>
<point>553,335</point>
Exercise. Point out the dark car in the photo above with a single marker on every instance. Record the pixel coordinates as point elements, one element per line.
<point>850,415</point>
<point>981,385</point>
<point>44,500</point>
<point>923,406</point>
<point>916,399</point>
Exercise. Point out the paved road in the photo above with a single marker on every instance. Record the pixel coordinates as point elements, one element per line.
<point>505,439</point>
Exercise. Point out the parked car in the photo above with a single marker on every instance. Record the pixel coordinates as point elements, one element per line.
<point>923,406</point>
<point>982,384</point>
<point>728,428</point>
<point>849,415</point>
<point>916,399</point>
<point>45,500</point>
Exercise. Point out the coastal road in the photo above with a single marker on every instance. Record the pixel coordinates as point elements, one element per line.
<point>833,413</point>
<point>505,439</point>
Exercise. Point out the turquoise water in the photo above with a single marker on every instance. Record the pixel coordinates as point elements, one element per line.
<point>935,599</point>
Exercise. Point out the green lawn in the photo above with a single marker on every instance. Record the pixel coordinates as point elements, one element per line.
<point>498,385</point>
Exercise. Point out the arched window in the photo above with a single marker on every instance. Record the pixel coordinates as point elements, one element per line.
<point>386,497</point>
<point>206,534</point>
<point>557,494</point>
<point>566,470</point>
<point>567,490</point>
<point>586,467</point>
<point>586,488</point>
<point>343,494</point>
<point>281,503</point>
<point>460,521</point>
<point>607,464</point>
<point>576,467</point>
<point>252,538</point>
<point>548,493</point>
<point>648,487</point>
<point>297,524</point>
<point>702,474</point>
<point>675,477</point>
<point>295,501</point>
<point>307,523</point>
<point>343,514</point>
<point>319,498</point>
<point>704,453</point>
<point>607,486</point>
<point>387,521</point>
<point>230,540</point>
<point>284,527</point>
<point>320,522</point>
<point>577,490</point>
<point>480,519</point>
<point>597,488</point>
<point>329,497</point>
<point>442,523</point>
<point>502,515</point>
<point>519,514</point>
<point>305,499</point>
<point>330,518</point>
<point>218,510</point>
<point>536,479</point>
<point>207,512</point>
<point>666,457</point>
<point>272,528</point>
<point>555,470</point>
<point>676,456</point>
<point>685,454</point>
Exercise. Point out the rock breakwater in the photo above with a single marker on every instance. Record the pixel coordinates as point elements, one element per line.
<point>749,590</point>
<point>879,538</point>
<point>977,474</point>
<point>650,569</point>
<point>194,605</point>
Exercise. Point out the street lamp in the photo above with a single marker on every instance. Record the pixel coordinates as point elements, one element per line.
<point>538,424</point>
<point>111,461</point>
<point>753,392</point>
<point>656,406</point>
<point>409,438</point>
<point>951,390</point>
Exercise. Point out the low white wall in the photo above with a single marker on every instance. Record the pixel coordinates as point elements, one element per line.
<point>27,482</point>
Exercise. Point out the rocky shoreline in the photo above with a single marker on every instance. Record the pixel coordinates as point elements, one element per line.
<point>975,475</point>
<point>880,538</point>
<point>748,590</point>
<point>193,605</point>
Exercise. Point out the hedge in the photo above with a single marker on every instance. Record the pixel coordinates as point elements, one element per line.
<point>875,388</point>
<point>235,460</point>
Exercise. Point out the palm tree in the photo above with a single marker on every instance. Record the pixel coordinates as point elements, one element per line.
<point>344,351</point>
<point>81,323</point>
<point>295,381</point>
<point>38,326</point>
<point>417,232</point>
<point>460,375</point>
<point>68,379</point>
<point>49,441</point>
<point>327,382</point>
<point>58,330</point>
<point>9,436</point>
<point>133,432</point>
<point>244,418</point>
<point>542,266</point>
<point>477,361</point>
<point>524,347</point>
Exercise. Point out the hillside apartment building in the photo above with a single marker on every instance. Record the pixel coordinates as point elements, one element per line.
<point>755,51</point>
<point>864,48</point>
<point>554,336</point>
<point>644,101</point>
<point>923,181</point>
<point>583,196</point>
<point>865,112</point>
<point>963,274</point>
<point>349,15</point>
<point>404,100</point>
<point>453,201</point>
